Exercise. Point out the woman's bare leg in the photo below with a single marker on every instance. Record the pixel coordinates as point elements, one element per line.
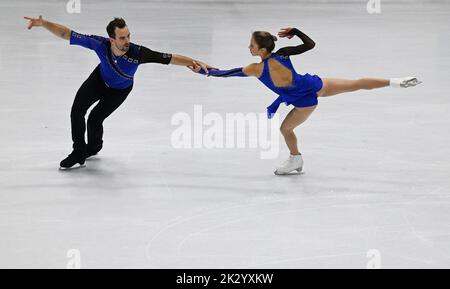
<point>294,118</point>
<point>333,86</point>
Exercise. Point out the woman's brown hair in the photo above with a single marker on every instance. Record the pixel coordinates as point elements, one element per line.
<point>264,40</point>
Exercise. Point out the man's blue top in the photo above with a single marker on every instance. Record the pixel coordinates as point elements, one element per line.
<point>118,71</point>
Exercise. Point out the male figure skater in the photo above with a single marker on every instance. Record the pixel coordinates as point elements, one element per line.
<point>109,83</point>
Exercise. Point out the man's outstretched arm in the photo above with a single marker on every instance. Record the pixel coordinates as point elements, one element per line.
<point>57,29</point>
<point>149,56</point>
<point>178,59</point>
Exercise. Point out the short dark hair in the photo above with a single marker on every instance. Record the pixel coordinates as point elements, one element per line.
<point>117,22</point>
<point>264,40</point>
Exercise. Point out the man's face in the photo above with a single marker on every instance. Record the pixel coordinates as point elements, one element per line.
<point>122,40</point>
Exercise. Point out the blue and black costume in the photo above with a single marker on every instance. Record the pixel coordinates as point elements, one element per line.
<point>109,83</point>
<point>303,90</point>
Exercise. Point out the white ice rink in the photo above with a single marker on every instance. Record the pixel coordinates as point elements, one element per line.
<point>376,185</point>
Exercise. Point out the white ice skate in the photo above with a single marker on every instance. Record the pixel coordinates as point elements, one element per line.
<point>404,82</point>
<point>293,163</point>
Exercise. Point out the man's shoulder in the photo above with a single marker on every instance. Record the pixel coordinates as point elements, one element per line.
<point>94,37</point>
<point>132,55</point>
<point>134,50</point>
<point>99,38</point>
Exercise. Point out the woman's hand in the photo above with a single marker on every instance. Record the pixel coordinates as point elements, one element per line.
<point>194,68</point>
<point>203,65</point>
<point>34,21</point>
<point>285,32</point>
<point>198,65</point>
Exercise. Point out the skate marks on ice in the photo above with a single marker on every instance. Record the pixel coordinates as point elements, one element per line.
<point>223,236</point>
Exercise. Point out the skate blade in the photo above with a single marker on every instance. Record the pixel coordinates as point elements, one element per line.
<point>77,166</point>
<point>291,173</point>
<point>411,83</point>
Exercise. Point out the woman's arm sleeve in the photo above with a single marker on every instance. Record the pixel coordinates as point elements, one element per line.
<point>308,44</point>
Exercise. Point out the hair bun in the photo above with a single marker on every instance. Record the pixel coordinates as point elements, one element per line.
<point>274,38</point>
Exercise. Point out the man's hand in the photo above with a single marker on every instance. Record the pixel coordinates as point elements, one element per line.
<point>57,29</point>
<point>285,32</point>
<point>35,21</point>
<point>178,59</point>
<point>198,65</point>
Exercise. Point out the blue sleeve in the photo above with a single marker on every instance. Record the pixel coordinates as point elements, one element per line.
<point>225,73</point>
<point>88,41</point>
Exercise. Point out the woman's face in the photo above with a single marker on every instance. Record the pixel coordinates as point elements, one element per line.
<point>254,49</point>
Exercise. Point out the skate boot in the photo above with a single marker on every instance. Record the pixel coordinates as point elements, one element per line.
<point>91,152</point>
<point>73,159</point>
<point>293,163</point>
<point>404,82</point>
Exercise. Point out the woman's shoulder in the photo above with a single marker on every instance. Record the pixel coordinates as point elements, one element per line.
<point>254,69</point>
<point>282,53</point>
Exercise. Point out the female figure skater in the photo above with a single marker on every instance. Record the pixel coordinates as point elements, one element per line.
<point>277,72</point>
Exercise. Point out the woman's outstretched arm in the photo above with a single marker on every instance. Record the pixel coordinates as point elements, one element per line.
<point>289,32</point>
<point>249,70</point>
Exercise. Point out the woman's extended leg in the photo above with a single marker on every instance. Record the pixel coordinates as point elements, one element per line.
<point>332,86</point>
<point>294,118</point>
